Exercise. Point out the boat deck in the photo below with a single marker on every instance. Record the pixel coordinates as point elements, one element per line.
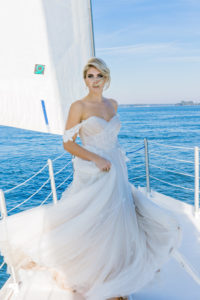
<point>174,282</point>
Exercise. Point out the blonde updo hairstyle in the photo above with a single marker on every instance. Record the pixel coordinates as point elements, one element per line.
<point>99,64</point>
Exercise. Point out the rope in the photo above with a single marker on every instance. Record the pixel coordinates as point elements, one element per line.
<point>26,180</point>
<point>137,177</point>
<point>137,144</point>
<point>164,156</point>
<point>62,168</point>
<point>171,183</point>
<point>58,157</point>
<point>132,146</point>
<point>30,196</point>
<point>46,199</point>
<point>64,180</point>
<point>135,150</point>
<point>134,167</point>
<point>169,146</point>
<point>1,266</point>
<point>185,174</point>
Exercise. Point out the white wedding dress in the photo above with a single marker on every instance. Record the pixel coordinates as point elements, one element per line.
<point>104,238</point>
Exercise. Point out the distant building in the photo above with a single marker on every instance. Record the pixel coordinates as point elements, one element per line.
<point>188,103</point>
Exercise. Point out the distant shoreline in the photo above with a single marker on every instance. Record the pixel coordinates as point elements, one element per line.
<point>165,104</point>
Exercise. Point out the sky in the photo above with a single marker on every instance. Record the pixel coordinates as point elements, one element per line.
<point>152,48</point>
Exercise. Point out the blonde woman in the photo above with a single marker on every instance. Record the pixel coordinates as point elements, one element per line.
<point>104,239</point>
<point>127,239</point>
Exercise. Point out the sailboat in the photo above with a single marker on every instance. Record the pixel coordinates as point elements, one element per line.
<point>44,48</point>
<point>39,80</point>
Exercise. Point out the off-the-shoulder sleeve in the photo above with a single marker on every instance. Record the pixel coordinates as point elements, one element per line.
<point>69,133</point>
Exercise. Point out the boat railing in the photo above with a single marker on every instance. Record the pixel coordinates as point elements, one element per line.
<point>147,163</point>
<point>194,162</point>
<point>147,175</point>
<point>51,179</point>
<point>3,208</point>
<point>136,166</point>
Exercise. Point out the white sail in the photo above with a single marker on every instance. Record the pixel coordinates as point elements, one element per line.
<point>54,34</point>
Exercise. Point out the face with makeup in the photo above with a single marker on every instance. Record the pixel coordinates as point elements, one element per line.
<point>95,80</point>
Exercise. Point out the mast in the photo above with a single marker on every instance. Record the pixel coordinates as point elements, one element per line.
<point>91,27</point>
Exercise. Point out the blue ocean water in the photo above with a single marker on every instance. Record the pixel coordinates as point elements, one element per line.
<point>23,152</point>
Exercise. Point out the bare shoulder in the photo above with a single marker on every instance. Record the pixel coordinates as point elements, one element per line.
<point>75,113</point>
<point>76,106</point>
<point>114,103</point>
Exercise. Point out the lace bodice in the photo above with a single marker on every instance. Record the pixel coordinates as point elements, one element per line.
<point>96,132</point>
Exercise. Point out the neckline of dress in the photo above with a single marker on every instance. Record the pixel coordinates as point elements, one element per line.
<point>116,115</point>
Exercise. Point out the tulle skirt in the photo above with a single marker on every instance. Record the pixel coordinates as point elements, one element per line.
<point>104,238</point>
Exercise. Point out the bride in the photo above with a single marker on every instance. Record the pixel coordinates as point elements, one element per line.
<point>104,239</point>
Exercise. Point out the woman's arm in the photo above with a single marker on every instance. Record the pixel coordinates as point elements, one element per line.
<point>74,118</point>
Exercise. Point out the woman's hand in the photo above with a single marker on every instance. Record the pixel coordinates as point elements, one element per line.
<point>103,164</point>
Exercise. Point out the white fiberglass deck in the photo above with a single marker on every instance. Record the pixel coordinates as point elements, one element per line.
<point>173,282</point>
